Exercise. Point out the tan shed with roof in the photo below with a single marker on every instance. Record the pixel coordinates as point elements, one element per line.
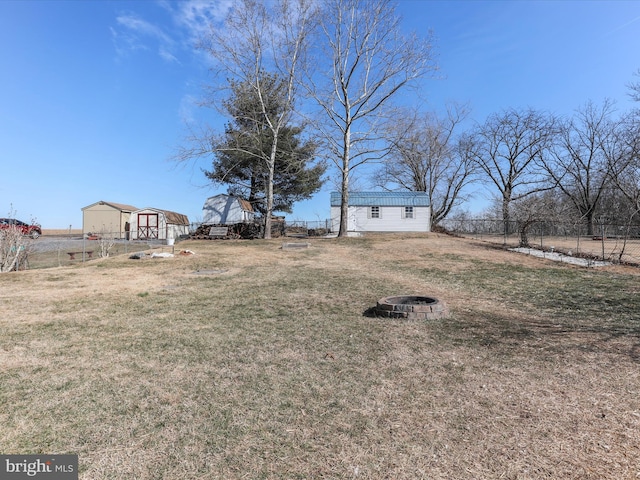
<point>107,218</point>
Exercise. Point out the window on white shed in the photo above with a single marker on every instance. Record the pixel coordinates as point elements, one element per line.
<point>374,212</point>
<point>408,212</point>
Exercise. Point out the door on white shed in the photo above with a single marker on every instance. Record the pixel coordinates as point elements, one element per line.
<point>352,220</point>
<point>147,226</point>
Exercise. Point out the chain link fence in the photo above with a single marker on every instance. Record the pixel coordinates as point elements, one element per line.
<point>279,228</point>
<point>58,250</point>
<point>62,249</point>
<point>316,228</point>
<point>603,241</point>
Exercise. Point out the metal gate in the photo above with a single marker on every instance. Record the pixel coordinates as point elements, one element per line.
<point>148,226</point>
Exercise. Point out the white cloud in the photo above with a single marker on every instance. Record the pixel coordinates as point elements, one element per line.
<point>125,42</point>
<point>197,16</point>
<point>167,55</point>
<point>189,21</point>
<point>142,27</point>
<point>188,105</point>
<point>134,33</point>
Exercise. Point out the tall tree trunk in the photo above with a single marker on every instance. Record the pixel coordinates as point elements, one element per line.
<point>344,201</point>
<point>506,217</point>
<point>271,165</point>
<point>588,216</point>
<point>344,205</point>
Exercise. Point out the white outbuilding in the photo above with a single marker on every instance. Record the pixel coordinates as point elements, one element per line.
<point>155,224</point>
<point>383,212</point>
<point>225,209</point>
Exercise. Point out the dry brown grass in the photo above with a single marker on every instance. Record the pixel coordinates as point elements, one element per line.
<point>617,250</point>
<point>263,365</point>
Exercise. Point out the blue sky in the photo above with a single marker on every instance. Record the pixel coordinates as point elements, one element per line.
<point>94,95</point>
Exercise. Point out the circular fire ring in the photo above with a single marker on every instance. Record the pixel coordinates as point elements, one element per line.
<point>412,307</point>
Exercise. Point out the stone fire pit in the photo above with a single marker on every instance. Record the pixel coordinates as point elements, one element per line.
<point>411,307</point>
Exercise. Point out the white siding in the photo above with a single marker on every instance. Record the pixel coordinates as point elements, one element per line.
<point>161,227</point>
<point>175,231</point>
<point>335,219</point>
<point>383,212</point>
<point>224,210</point>
<point>164,230</point>
<point>391,220</point>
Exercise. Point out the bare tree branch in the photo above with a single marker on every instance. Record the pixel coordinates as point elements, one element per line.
<point>578,164</point>
<point>425,157</point>
<point>256,38</point>
<point>371,62</point>
<point>507,148</point>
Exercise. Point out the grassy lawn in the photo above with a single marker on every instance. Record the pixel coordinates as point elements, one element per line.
<point>249,361</point>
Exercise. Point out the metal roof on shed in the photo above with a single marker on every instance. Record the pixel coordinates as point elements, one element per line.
<point>172,218</point>
<point>118,206</point>
<point>383,199</point>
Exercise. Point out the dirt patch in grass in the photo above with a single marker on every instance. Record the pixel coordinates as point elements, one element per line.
<point>271,370</point>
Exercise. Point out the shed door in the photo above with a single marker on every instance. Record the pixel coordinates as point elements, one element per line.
<point>352,220</point>
<point>147,226</point>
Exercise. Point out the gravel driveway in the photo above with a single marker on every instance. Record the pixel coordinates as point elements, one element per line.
<point>78,244</point>
<point>53,243</point>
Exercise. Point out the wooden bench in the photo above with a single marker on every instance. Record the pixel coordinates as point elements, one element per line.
<point>72,255</point>
<point>218,231</point>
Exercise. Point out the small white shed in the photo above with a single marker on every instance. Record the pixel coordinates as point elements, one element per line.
<point>383,212</point>
<point>227,210</point>
<point>156,224</point>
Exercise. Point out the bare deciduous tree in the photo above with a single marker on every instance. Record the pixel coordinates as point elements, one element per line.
<point>623,159</point>
<point>426,156</point>
<point>578,164</point>
<point>14,247</point>
<point>257,38</point>
<point>538,207</point>
<point>507,148</point>
<point>371,61</point>
<point>634,88</point>
<point>106,241</point>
